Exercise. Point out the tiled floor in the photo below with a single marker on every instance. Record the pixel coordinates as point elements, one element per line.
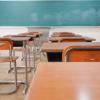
<point>4,75</point>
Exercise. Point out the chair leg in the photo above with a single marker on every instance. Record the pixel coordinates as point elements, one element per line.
<point>40,56</point>
<point>16,84</point>
<point>23,59</point>
<point>11,68</point>
<point>10,53</point>
<point>13,90</point>
<point>22,56</point>
<point>29,57</point>
<point>34,58</point>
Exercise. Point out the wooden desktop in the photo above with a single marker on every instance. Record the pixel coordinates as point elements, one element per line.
<point>65,81</point>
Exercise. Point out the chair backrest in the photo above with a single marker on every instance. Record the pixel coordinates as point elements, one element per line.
<point>8,44</point>
<point>81,54</point>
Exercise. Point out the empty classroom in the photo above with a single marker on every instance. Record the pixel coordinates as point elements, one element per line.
<point>50,50</point>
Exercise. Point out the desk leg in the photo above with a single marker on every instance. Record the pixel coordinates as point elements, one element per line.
<point>34,66</point>
<point>26,75</point>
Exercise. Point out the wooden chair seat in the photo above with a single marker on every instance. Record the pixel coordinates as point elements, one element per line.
<point>8,59</point>
<point>18,49</point>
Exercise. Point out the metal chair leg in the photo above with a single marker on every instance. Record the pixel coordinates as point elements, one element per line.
<point>11,82</point>
<point>23,59</point>
<point>29,57</point>
<point>10,53</point>
<point>10,68</point>
<point>34,58</point>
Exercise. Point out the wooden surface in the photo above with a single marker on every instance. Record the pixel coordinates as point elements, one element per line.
<point>18,38</point>
<point>26,34</point>
<point>81,54</point>
<point>1,44</point>
<point>31,33</point>
<point>66,81</point>
<point>58,39</point>
<point>21,35</point>
<point>65,35</point>
<point>58,47</point>
<point>39,33</point>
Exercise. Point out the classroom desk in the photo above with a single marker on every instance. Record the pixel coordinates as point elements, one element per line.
<point>54,50</point>
<point>59,39</point>
<point>33,42</point>
<point>28,35</point>
<point>65,35</point>
<point>20,40</point>
<point>33,35</point>
<point>37,34</point>
<point>66,81</point>
<point>19,43</point>
<point>24,41</point>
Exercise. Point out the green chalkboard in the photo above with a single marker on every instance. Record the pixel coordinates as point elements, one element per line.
<point>50,13</point>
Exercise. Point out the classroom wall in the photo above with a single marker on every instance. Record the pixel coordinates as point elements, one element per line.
<point>11,30</point>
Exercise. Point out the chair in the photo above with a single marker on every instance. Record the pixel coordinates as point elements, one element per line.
<point>81,54</point>
<point>18,46</point>
<point>8,45</point>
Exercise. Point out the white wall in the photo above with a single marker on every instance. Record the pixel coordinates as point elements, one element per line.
<point>90,31</point>
<point>12,30</point>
